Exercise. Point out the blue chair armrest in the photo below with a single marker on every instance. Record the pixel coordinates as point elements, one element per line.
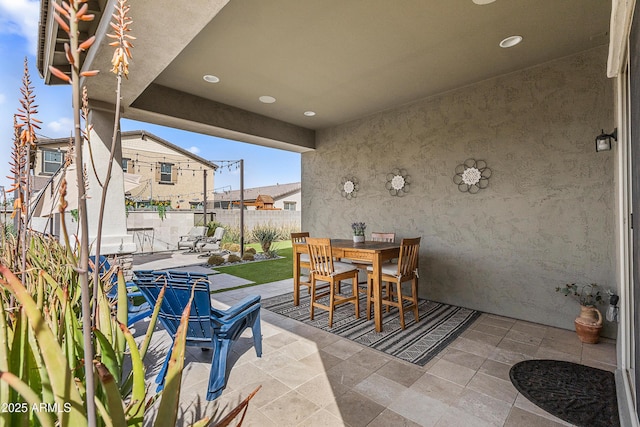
<point>231,327</point>
<point>238,308</point>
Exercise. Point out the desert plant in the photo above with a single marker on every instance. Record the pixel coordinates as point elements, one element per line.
<point>40,362</point>
<point>265,235</point>
<point>211,227</point>
<point>215,260</point>
<point>248,256</point>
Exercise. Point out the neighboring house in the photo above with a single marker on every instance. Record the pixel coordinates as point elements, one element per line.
<point>167,173</point>
<point>280,196</point>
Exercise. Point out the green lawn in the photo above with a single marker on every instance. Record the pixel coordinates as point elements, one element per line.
<point>263,271</point>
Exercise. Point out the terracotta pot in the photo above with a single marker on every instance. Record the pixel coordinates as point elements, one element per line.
<point>589,324</point>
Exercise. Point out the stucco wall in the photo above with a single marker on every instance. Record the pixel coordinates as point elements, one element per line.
<point>546,218</point>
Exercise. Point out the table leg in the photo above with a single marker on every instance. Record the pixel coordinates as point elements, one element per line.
<point>296,277</point>
<point>377,284</point>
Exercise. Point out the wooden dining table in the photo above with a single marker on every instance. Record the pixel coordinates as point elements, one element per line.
<point>374,252</point>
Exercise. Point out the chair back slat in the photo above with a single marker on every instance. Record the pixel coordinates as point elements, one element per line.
<point>299,237</point>
<point>176,297</point>
<point>408,259</point>
<point>320,256</point>
<point>377,236</point>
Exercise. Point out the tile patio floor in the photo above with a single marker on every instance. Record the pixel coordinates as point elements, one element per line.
<point>313,378</point>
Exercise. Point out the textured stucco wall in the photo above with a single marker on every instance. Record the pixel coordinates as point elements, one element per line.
<point>547,217</point>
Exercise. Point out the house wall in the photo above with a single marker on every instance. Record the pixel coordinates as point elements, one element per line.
<point>296,198</point>
<point>146,154</point>
<point>546,218</point>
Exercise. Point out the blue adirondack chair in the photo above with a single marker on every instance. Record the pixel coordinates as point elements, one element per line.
<point>208,327</point>
<point>135,312</point>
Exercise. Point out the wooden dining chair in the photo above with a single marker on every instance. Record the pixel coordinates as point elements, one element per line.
<point>376,236</point>
<point>301,238</point>
<point>394,275</point>
<point>325,269</point>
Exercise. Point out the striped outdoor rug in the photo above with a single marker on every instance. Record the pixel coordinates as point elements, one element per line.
<point>418,343</point>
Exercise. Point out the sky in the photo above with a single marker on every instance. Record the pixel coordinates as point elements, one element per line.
<point>18,39</point>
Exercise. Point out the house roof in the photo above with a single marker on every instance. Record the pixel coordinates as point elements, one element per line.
<point>143,135</point>
<point>277,191</point>
<point>342,60</point>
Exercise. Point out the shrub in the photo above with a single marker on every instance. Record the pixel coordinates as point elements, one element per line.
<point>265,235</point>
<point>250,251</point>
<point>234,258</point>
<point>215,260</point>
<point>234,247</point>
<point>248,256</point>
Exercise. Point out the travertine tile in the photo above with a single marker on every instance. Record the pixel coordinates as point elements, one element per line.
<point>528,328</point>
<point>294,374</point>
<point>355,409</point>
<point>452,372</point>
<point>475,347</point>
<point>290,409</point>
<point>573,347</point>
<point>518,347</point>
<point>455,417</point>
<point>371,359</point>
<point>602,352</point>
<point>523,337</point>
<point>496,369</point>
<point>322,418</point>
<point>462,358</point>
<point>520,418</point>
<point>402,372</point>
<point>389,418</point>
<point>494,387</point>
<point>299,349</point>
<point>321,391</point>
<point>379,389</point>
<point>487,329</point>
<point>438,388</point>
<point>490,409</point>
<point>419,408</point>
<point>502,322</point>
<point>348,374</point>
<point>343,348</point>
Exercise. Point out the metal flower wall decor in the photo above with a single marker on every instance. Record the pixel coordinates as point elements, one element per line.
<point>472,176</point>
<point>398,182</point>
<point>349,187</point>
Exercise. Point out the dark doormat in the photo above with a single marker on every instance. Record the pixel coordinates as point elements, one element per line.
<point>578,394</point>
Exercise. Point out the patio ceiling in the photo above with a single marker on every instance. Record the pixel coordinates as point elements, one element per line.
<point>341,59</point>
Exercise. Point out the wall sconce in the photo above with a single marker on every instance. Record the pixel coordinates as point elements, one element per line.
<point>603,141</point>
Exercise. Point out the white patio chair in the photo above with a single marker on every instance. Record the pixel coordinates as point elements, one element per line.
<point>189,241</point>
<point>212,243</point>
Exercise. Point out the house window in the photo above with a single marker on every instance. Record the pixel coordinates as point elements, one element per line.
<point>289,206</point>
<point>125,165</point>
<point>51,161</point>
<point>166,173</point>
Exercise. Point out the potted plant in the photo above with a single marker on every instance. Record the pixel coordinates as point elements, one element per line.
<point>358,231</point>
<point>589,322</point>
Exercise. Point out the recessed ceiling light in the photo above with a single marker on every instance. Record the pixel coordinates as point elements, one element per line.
<point>510,41</point>
<point>267,99</point>
<point>211,79</point>
<point>482,2</point>
<point>309,113</point>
